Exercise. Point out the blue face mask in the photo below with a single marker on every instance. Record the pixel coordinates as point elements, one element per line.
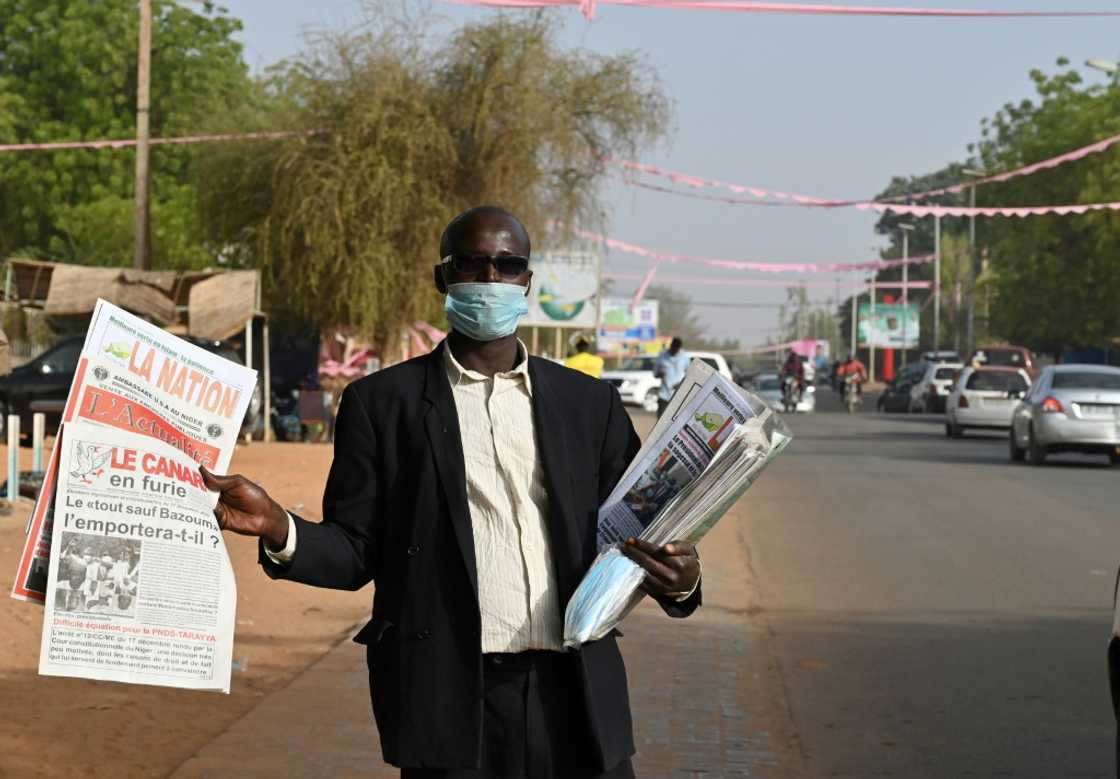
<point>485,312</point>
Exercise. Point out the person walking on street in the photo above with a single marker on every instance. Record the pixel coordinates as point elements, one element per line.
<point>671,366</point>
<point>466,485</point>
<point>584,361</point>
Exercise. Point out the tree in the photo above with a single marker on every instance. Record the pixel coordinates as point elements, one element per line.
<point>68,72</point>
<point>675,317</point>
<point>1054,277</point>
<point>345,222</point>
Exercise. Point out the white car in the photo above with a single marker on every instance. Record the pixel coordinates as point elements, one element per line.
<point>637,385</point>
<point>928,394</point>
<point>768,386</point>
<point>1070,408</point>
<point>984,398</point>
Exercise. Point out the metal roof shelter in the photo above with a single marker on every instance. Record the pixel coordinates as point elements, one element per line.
<point>213,305</point>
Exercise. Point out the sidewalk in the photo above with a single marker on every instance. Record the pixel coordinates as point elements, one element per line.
<point>706,698</point>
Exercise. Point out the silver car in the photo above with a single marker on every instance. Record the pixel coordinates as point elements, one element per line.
<point>1070,408</point>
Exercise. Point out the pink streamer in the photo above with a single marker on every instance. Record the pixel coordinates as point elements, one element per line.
<point>697,182</point>
<point>587,8</point>
<point>123,143</point>
<point>747,265</point>
<point>899,208</point>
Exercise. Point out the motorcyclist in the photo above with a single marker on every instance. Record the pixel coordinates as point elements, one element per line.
<point>794,368</point>
<point>851,366</point>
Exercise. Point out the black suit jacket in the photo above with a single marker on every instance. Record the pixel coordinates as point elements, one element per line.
<point>395,512</point>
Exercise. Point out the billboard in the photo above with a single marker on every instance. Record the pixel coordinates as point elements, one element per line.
<point>886,327</point>
<point>625,329</point>
<point>565,290</point>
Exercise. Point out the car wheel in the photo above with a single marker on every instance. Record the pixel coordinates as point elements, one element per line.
<point>1017,453</point>
<point>1114,457</point>
<point>948,430</point>
<point>1035,450</point>
<point>955,430</point>
<point>649,402</point>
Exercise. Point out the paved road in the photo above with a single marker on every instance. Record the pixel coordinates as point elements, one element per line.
<point>932,610</point>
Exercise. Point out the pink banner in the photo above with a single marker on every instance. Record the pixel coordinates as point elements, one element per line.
<point>123,143</point>
<point>587,8</point>
<point>898,208</point>
<point>788,198</point>
<point>748,265</point>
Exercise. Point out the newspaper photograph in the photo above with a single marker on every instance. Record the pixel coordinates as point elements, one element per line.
<point>685,441</point>
<point>141,587</point>
<point>137,377</point>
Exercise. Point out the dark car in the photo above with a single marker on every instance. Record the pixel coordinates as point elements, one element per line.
<point>42,384</point>
<point>895,398</point>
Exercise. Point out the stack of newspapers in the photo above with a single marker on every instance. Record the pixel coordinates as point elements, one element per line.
<point>709,446</point>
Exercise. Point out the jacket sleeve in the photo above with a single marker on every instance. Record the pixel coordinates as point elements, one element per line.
<point>336,552</point>
<point>620,445</point>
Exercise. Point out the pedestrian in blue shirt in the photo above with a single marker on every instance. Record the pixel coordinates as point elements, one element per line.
<point>671,366</point>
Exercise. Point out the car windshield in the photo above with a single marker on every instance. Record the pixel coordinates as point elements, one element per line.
<point>998,381</point>
<point>768,384</point>
<point>711,362</point>
<point>637,364</point>
<point>944,373</point>
<point>1008,358</point>
<point>1088,380</point>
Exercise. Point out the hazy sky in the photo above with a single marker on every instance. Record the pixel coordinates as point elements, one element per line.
<point>823,106</point>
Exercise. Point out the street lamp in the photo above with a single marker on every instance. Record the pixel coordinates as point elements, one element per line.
<point>905,228</point>
<point>1105,66</point>
<point>972,253</point>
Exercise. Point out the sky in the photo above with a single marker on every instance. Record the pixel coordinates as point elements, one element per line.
<point>825,106</point>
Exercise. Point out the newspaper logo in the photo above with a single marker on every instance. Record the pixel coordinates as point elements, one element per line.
<point>214,430</point>
<point>89,461</point>
<point>100,373</point>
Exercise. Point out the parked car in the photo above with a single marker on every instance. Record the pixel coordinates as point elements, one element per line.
<point>42,384</point>
<point>984,398</point>
<point>941,356</point>
<point>895,397</point>
<point>928,394</point>
<point>768,386</point>
<point>637,385</point>
<point>1004,357</point>
<point>1070,408</point>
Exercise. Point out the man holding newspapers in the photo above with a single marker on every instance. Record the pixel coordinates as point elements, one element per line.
<point>467,486</point>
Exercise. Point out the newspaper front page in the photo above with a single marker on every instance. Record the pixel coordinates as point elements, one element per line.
<point>137,377</point>
<point>706,409</point>
<point>140,586</point>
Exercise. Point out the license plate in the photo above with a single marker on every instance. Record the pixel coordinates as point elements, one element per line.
<point>1101,411</point>
<point>995,401</point>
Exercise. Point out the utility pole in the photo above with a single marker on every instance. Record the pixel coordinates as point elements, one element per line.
<point>906,228</point>
<point>141,259</point>
<point>870,334</point>
<point>855,295</point>
<point>970,343</point>
<point>936,282</point>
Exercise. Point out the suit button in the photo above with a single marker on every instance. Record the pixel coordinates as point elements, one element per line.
<point>413,550</point>
<point>423,634</point>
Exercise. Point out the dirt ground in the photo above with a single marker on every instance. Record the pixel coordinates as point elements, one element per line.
<point>62,727</point>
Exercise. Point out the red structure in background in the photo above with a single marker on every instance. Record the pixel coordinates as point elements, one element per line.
<point>888,354</point>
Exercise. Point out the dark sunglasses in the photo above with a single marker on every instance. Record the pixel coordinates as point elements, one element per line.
<point>509,266</point>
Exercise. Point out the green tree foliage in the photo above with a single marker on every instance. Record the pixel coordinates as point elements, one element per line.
<point>676,317</point>
<point>1055,280</point>
<point>345,222</point>
<point>68,72</point>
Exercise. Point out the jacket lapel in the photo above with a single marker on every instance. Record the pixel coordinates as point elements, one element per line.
<point>552,444</point>
<point>441,422</point>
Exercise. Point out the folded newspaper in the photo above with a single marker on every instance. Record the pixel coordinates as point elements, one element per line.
<point>710,445</point>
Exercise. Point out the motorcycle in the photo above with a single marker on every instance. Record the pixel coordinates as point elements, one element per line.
<point>853,399</point>
<point>791,393</point>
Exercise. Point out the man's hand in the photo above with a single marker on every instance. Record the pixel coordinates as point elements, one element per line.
<point>671,570</point>
<point>245,508</point>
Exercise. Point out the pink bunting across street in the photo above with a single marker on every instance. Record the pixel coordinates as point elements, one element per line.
<point>587,8</point>
<point>747,265</point>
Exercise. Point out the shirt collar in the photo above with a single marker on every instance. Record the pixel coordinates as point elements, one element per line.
<point>456,373</point>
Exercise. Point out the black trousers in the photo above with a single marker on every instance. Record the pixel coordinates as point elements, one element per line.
<point>534,723</point>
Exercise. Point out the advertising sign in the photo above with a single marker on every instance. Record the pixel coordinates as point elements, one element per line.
<point>626,328</point>
<point>565,290</point>
<point>886,327</point>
